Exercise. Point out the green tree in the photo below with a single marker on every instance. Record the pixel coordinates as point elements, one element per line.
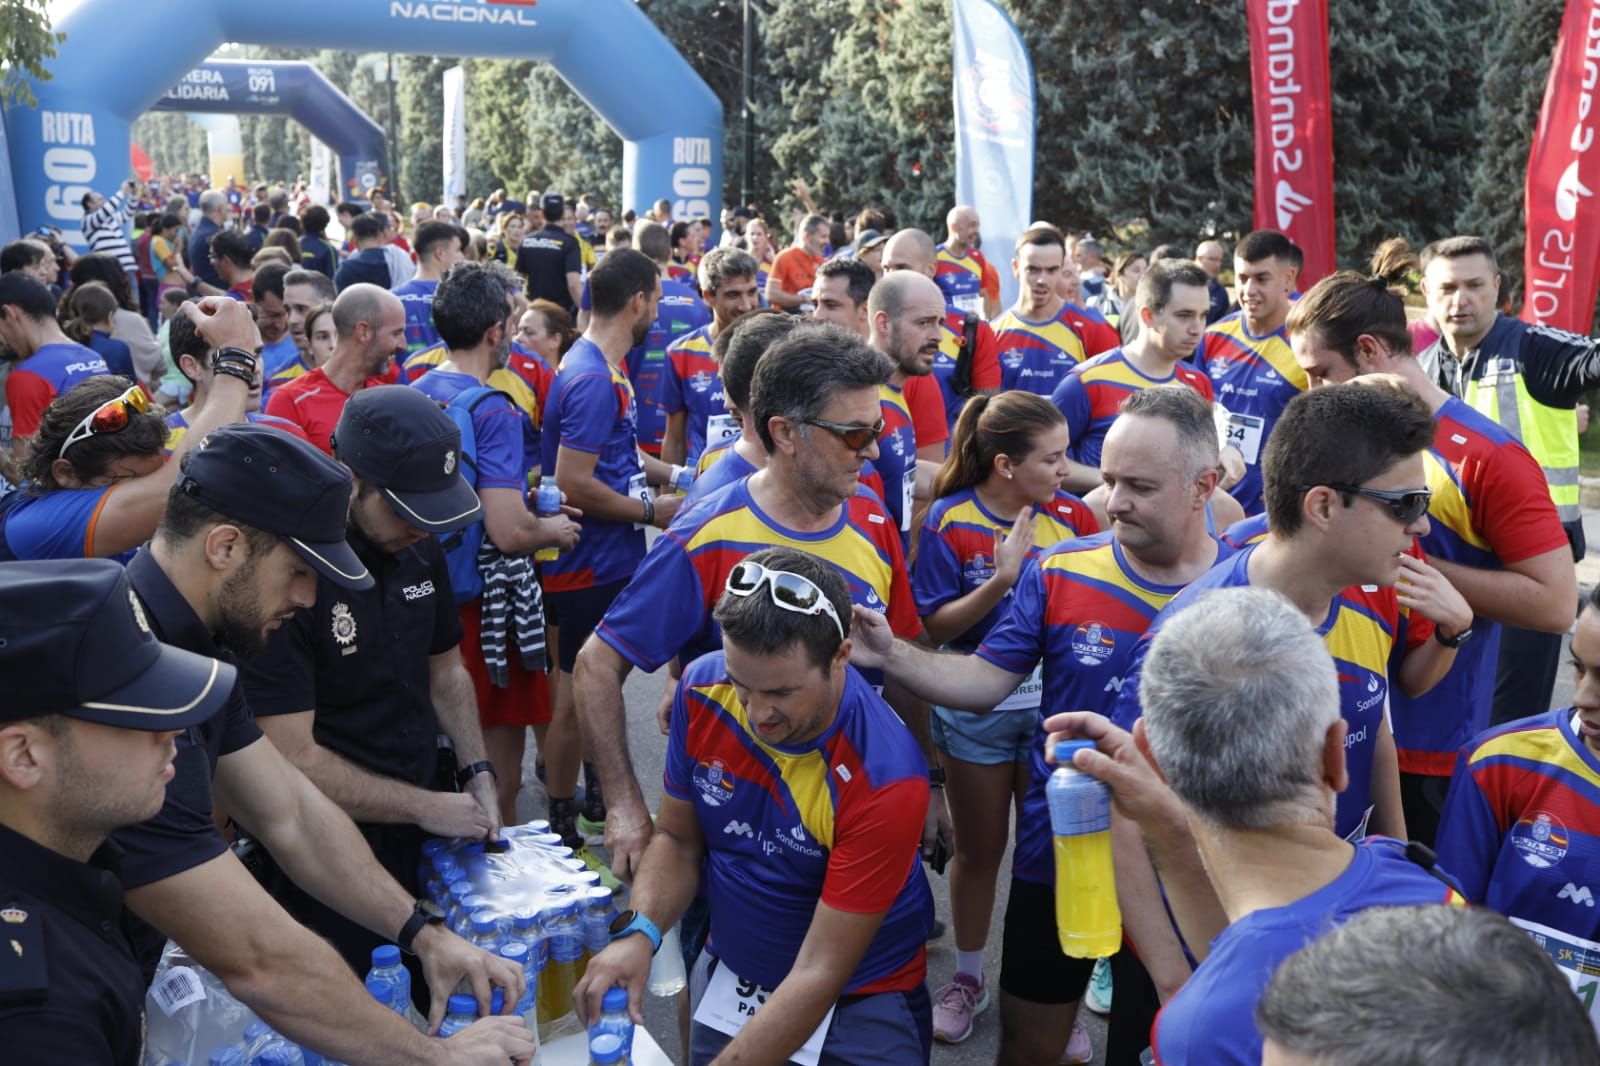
<point>571,149</point>
<point>26,42</point>
<point>419,100</point>
<point>497,126</point>
<point>174,144</point>
<point>1522,36</point>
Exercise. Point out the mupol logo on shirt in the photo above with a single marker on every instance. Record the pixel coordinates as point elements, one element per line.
<point>714,781</point>
<point>978,569</point>
<point>1541,839</point>
<point>1093,643</point>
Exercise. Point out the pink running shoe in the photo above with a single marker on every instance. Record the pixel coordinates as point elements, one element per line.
<point>955,1005</point>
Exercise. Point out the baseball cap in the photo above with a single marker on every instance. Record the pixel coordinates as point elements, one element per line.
<point>265,478</point>
<point>869,238</point>
<point>401,441</point>
<point>553,205</point>
<point>74,640</point>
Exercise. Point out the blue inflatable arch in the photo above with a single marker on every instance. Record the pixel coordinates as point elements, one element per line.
<point>299,90</point>
<point>112,68</point>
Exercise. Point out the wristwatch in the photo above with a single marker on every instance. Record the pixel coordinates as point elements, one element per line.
<point>1455,641</point>
<point>426,912</point>
<point>467,773</point>
<point>629,922</point>
<point>936,777</point>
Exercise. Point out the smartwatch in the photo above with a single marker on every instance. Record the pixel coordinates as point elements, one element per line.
<point>425,912</point>
<point>1455,641</point>
<point>629,922</point>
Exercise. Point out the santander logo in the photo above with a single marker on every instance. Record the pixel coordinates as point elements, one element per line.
<point>1568,190</point>
<point>1288,203</point>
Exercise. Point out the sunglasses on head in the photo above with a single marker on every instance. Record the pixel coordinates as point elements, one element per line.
<point>112,416</point>
<point>788,590</point>
<point>1407,505</point>
<point>855,437</point>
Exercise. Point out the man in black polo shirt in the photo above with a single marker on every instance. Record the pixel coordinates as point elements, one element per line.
<point>355,690</point>
<point>551,259</point>
<point>93,705</point>
<point>255,517</point>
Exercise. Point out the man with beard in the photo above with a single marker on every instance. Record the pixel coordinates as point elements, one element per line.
<point>371,323</point>
<point>255,518</point>
<point>355,690</point>
<point>303,292</point>
<point>906,315</point>
<point>589,444</point>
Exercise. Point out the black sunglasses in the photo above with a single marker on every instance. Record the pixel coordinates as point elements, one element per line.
<point>855,437</point>
<point>1407,505</point>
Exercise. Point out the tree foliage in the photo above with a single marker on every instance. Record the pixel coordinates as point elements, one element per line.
<point>26,42</point>
<point>419,100</point>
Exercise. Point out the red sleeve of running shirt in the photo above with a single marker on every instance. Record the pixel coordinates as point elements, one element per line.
<point>926,402</point>
<point>988,279</point>
<point>875,843</point>
<point>27,394</point>
<point>1097,337</point>
<point>1197,381</point>
<point>986,361</point>
<point>1511,504</point>
<point>903,617</point>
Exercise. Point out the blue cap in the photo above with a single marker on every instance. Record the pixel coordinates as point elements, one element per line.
<point>599,896</point>
<point>615,999</point>
<point>461,889</point>
<point>277,1055</point>
<point>400,441</point>
<point>430,848</point>
<point>607,1047</point>
<point>1066,749</point>
<point>524,919</point>
<point>516,951</point>
<point>484,922</point>
<point>386,955</point>
<point>75,640</point>
<point>462,1004</point>
<point>266,478</point>
<point>497,1001</point>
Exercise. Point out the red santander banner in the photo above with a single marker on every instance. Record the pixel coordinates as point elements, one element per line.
<point>1294,127</point>
<point>1563,239</point>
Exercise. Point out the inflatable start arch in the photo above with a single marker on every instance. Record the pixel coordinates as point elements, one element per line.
<point>299,90</point>
<point>113,66</point>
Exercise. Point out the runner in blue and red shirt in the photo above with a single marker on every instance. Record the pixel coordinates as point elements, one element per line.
<point>48,363</point>
<point>906,313</point>
<point>691,393</point>
<point>1043,337</point>
<point>439,246</point>
<point>794,798</point>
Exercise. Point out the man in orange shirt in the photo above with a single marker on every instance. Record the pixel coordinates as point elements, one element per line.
<point>794,272</point>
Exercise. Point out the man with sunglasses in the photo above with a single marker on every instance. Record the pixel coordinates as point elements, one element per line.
<point>799,794</point>
<point>94,480</point>
<point>1493,530</point>
<point>815,406</point>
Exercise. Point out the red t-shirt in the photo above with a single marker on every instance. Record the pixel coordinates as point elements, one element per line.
<point>313,403</point>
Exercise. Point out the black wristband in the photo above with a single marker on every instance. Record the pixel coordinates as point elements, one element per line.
<point>233,370</point>
<point>467,773</point>
<point>237,356</point>
<point>649,510</point>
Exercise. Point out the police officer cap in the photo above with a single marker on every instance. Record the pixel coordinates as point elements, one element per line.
<point>75,641</point>
<point>399,440</point>
<point>263,477</point>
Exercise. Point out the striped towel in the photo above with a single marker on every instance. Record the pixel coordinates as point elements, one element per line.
<point>513,611</point>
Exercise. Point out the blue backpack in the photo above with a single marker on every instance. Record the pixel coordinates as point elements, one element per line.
<point>461,547</point>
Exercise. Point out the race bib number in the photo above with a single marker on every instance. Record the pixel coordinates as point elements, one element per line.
<point>730,1002</point>
<point>719,429</point>
<point>908,496</point>
<point>1577,958</point>
<point>1242,431</point>
<point>971,302</point>
<point>1028,695</point>
<point>639,490</point>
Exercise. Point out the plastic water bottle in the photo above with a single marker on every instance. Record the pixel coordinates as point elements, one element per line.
<point>666,969</point>
<point>1088,921</point>
<point>598,910</point>
<point>547,503</point>
<point>606,1051</point>
<point>484,930</point>
<point>459,890</point>
<point>230,1055</point>
<point>525,930</point>
<point>516,952</point>
<point>276,1051</point>
<point>460,1012</point>
<point>614,1020</point>
<point>388,974</point>
<point>564,935</point>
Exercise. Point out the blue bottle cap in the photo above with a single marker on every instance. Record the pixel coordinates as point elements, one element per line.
<point>462,1004</point>
<point>430,848</point>
<point>524,919</point>
<point>1065,749</point>
<point>386,955</point>
<point>588,878</point>
<point>275,1056</point>
<point>474,902</point>
<point>615,999</point>
<point>461,889</point>
<point>597,898</point>
<point>477,847</point>
<point>607,1047</point>
<point>484,922</point>
<point>497,1001</point>
<point>515,950</point>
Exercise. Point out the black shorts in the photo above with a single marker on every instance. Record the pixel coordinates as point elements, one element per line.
<point>577,613</point>
<point>1032,964</point>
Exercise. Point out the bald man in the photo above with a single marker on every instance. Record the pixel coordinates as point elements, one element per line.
<point>370,324</point>
<point>914,251</point>
<point>968,281</point>
<point>1209,255</point>
<point>905,315</point>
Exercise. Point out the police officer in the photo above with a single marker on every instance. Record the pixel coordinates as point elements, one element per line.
<point>1529,378</point>
<point>93,704</point>
<point>551,259</point>
<point>355,689</point>
<point>255,518</point>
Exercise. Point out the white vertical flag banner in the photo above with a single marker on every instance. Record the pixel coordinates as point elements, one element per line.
<point>321,172</point>
<point>455,135</point>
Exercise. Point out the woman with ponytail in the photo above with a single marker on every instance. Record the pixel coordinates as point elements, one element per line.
<point>998,502</point>
<point>91,312</point>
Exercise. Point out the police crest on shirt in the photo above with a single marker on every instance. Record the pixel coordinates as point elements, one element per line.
<point>344,625</point>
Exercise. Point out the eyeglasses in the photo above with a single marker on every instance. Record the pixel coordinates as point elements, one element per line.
<point>1407,505</point>
<point>112,416</point>
<point>855,437</point>
<point>788,590</point>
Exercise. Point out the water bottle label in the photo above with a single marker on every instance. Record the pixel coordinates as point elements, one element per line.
<point>1078,804</point>
<point>566,948</point>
